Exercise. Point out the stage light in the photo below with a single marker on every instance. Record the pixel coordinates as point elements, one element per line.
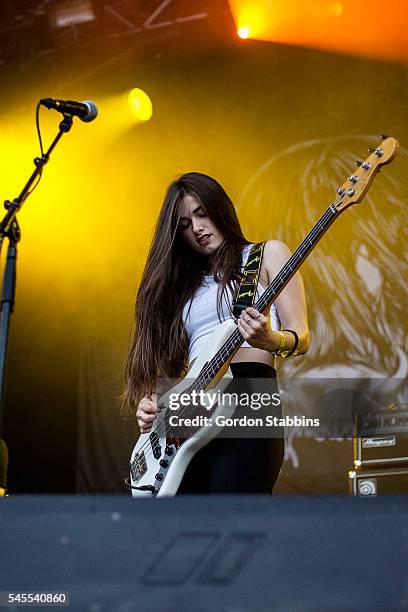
<point>72,13</point>
<point>251,19</point>
<point>140,104</point>
<point>244,32</point>
<point>344,26</point>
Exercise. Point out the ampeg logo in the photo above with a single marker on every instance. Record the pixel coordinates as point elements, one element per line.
<point>367,487</point>
<point>379,442</point>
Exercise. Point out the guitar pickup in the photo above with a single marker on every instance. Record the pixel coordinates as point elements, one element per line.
<point>156,448</point>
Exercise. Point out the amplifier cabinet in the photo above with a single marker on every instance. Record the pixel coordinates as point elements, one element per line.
<point>380,450</point>
<point>378,482</point>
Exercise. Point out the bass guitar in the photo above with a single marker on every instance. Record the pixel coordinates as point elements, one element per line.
<point>159,461</point>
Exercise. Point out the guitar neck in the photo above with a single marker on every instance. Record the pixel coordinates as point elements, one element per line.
<point>297,258</point>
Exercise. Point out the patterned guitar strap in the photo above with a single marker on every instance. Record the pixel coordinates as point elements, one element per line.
<point>246,293</point>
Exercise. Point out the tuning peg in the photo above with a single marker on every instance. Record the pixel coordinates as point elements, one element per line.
<point>384,136</point>
<point>365,165</point>
<point>378,152</point>
<point>370,150</point>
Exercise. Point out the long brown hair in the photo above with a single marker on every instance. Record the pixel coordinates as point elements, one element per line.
<point>173,272</point>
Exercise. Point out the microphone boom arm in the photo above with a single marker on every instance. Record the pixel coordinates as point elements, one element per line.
<point>9,229</point>
<point>39,162</point>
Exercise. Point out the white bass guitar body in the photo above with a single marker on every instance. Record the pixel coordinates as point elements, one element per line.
<point>156,467</point>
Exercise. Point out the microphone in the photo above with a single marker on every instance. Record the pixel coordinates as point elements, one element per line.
<point>3,466</point>
<point>87,111</point>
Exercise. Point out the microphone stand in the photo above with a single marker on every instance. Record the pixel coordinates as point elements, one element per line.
<point>9,228</point>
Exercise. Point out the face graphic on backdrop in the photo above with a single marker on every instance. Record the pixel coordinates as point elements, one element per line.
<point>356,278</point>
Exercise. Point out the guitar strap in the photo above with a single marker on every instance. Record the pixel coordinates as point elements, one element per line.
<point>246,293</point>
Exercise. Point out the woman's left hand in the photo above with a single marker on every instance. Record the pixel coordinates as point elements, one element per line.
<point>254,328</point>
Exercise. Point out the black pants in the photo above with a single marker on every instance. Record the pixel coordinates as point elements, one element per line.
<point>236,465</point>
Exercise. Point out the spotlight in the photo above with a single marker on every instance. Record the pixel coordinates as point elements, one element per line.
<point>244,32</point>
<point>140,104</point>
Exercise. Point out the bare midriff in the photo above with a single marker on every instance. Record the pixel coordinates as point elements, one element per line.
<point>253,354</point>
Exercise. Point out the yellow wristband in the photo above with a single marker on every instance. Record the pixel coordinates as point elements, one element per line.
<point>281,344</point>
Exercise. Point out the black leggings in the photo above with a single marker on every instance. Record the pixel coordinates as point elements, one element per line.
<point>236,465</point>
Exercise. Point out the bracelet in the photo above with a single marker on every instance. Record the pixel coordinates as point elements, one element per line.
<point>280,352</point>
<point>281,346</point>
<point>293,352</point>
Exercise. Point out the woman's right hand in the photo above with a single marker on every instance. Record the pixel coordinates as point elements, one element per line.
<point>146,412</point>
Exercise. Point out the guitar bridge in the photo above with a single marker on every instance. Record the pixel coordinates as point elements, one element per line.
<point>138,466</point>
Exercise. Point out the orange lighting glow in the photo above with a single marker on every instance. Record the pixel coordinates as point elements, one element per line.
<point>378,29</point>
<point>251,19</point>
<point>337,9</point>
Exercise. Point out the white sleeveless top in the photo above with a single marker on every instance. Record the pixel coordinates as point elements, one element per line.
<point>203,318</point>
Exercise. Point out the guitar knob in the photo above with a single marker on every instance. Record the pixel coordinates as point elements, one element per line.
<point>163,463</point>
<point>353,179</point>
<point>341,191</point>
<point>159,477</point>
<point>168,450</point>
<point>366,165</point>
<point>350,191</point>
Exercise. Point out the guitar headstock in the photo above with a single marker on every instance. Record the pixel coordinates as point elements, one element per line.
<point>358,183</point>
